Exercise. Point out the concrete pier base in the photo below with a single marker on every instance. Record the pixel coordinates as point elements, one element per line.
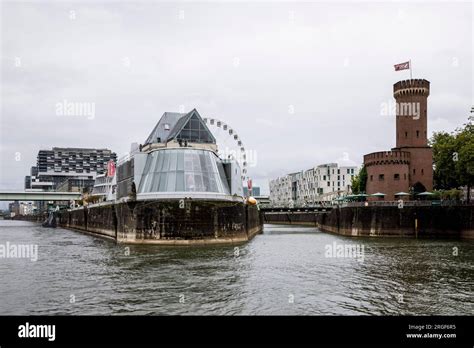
<point>168,222</point>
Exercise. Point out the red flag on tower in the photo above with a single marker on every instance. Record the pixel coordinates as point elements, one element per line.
<point>402,66</point>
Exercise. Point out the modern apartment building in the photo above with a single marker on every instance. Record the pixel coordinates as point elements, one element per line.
<point>281,191</point>
<point>58,165</point>
<point>321,183</point>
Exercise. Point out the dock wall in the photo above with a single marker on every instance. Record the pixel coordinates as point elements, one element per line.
<point>422,221</point>
<point>168,222</point>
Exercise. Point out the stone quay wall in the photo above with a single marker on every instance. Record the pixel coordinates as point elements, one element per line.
<point>421,221</point>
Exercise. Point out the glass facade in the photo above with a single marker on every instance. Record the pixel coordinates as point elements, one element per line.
<point>195,131</point>
<point>183,170</point>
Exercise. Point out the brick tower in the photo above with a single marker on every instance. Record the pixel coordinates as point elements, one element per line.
<point>411,130</point>
<point>409,164</point>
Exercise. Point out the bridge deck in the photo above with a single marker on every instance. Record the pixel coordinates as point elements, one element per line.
<point>38,196</point>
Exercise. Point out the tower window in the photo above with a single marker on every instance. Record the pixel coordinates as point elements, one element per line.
<point>422,172</point>
<point>417,133</point>
<point>396,176</point>
<point>381,177</point>
<point>371,178</point>
<point>414,171</point>
<point>406,134</point>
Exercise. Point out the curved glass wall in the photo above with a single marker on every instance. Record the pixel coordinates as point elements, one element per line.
<point>183,170</point>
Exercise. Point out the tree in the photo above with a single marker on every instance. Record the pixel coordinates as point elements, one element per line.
<point>355,184</point>
<point>359,181</point>
<point>444,158</point>
<point>465,163</point>
<point>453,158</point>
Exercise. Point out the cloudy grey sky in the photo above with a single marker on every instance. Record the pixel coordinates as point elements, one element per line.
<point>301,83</point>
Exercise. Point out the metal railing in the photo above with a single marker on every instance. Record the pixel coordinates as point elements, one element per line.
<point>405,203</point>
<point>332,204</point>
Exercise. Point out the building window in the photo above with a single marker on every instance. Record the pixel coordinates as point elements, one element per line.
<point>381,177</point>
<point>352,170</point>
<point>396,176</point>
<point>195,131</point>
<point>417,133</point>
<point>422,172</point>
<point>414,171</point>
<point>329,184</point>
<point>348,171</point>
<point>406,134</point>
<point>371,178</point>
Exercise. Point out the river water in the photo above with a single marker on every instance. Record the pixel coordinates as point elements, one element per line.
<point>286,270</point>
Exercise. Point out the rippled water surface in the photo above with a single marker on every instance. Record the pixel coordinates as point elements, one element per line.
<point>283,271</point>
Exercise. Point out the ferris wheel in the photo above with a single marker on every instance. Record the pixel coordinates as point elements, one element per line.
<point>229,144</point>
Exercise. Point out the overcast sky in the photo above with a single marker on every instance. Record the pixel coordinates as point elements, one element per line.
<point>300,83</point>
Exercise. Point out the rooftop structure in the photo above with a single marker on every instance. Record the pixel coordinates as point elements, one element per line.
<point>178,129</point>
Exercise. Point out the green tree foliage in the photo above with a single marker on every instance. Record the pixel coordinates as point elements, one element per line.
<point>444,158</point>
<point>453,157</point>
<point>359,181</point>
<point>355,184</point>
<point>465,164</point>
